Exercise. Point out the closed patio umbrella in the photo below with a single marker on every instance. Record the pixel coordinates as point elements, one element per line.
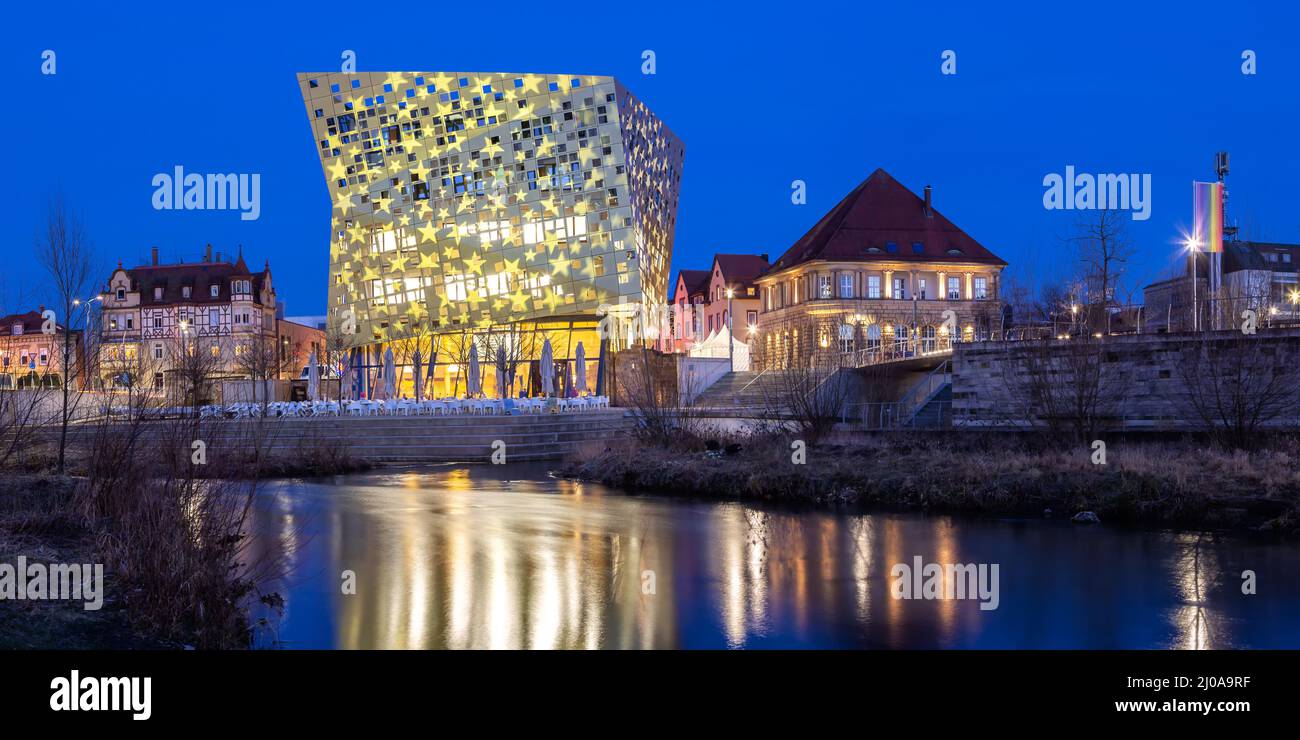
<point>390,374</point>
<point>313,378</point>
<point>548,368</point>
<point>580,358</point>
<point>417,360</point>
<point>472,380</point>
<point>501,371</point>
<point>433,365</point>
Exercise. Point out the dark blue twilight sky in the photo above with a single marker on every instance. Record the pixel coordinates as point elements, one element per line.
<point>762,95</point>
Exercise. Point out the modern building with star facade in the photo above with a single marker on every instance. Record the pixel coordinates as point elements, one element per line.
<point>490,210</point>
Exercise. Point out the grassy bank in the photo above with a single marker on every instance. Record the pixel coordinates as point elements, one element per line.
<point>171,537</point>
<point>38,521</point>
<point>1180,484</point>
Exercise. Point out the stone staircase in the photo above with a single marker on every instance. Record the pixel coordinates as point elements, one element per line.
<point>415,439</point>
<point>742,390</point>
<point>936,412</point>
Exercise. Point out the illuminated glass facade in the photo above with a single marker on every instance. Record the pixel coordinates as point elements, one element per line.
<point>466,201</point>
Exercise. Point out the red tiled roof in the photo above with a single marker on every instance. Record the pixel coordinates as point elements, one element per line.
<point>697,281</point>
<point>740,269</point>
<point>31,321</point>
<point>879,213</point>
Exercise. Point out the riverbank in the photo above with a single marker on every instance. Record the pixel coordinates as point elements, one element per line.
<point>162,589</point>
<point>1169,484</point>
<point>38,523</point>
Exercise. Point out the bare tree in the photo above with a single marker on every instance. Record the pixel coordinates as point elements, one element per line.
<point>258,357</point>
<point>195,364</point>
<point>807,382</point>
<point>338,345</point>
<point>508,346</point>
<point>1067,384</point>
<point>1102,244</point>
<point>1237,384</point>
<point>64,253</point>
<point>457,347</point>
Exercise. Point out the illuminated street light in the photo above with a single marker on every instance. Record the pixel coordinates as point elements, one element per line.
<point>1193,245</point>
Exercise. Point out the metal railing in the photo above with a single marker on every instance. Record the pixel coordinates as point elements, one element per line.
<point>890,415</point>
<point>905,412</point>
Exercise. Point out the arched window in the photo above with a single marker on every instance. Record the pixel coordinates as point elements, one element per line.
<point>873,338</point>
<point>846,338</point>
<point>900,338</point>
<point>928,339</point>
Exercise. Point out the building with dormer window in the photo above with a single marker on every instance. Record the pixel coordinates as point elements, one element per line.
<point>149,311</point>
<point>31,352</point>
<point>877,276</point>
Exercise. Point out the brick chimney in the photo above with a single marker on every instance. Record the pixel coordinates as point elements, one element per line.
<point>929,207</point>
<point>155,255</point>
<point>207,253</point>
<point>764,257</point>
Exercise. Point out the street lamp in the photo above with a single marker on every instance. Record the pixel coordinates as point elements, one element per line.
<point>731,335</point>
<point>1193,245</point>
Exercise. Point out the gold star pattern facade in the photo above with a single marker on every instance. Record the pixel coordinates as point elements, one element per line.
<point>464,201</point>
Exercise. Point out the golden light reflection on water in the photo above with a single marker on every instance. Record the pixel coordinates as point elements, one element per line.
<point>463,558</point>
<point>1195,568</point>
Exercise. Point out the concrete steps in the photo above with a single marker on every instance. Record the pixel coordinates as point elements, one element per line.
<point>456,438</point>
<point>936,412</point>
<point>737,390</point>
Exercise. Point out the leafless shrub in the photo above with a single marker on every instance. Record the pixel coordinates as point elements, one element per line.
<point>807,383</point>
<point>651,385</point>
<point>1068,385</point>
<point>174,522</point>
<point>1238,384</point>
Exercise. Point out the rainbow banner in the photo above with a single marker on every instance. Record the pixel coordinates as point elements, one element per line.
<point>1207,216</point>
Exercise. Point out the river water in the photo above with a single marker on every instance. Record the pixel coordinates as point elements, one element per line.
<point>508,557</point>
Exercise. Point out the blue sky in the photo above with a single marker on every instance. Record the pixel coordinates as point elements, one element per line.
<point>819,92</point>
